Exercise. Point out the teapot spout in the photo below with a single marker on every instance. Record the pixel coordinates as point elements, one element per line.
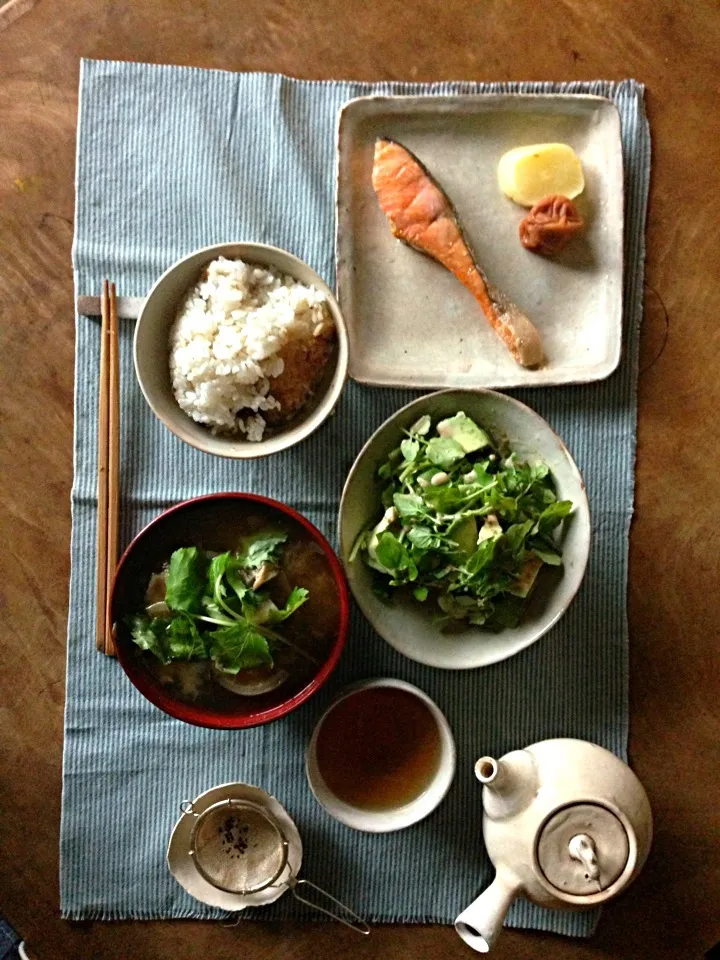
<point>480,924</point>
<point>510,783</point>
<point>490,771</point>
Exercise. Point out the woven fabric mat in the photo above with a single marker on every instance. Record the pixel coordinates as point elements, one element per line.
<point>200,157</point>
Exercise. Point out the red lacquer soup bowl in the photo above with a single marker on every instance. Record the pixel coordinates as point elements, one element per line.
<point>217,523</point>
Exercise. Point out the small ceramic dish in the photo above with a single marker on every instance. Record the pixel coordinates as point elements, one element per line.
<point>216,523</point>
<point>183,867</point>
<point>410,322</point>
<point>395,818</point>
<point>405,624</point>
<point>151,353</point>
<point>235,847</point>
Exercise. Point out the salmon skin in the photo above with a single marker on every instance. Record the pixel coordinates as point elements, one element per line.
<point>422,216</point>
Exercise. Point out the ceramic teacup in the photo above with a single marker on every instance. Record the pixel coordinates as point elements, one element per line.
<point>388,818</point>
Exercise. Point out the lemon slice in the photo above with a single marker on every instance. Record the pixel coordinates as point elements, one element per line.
<point>528,174</point>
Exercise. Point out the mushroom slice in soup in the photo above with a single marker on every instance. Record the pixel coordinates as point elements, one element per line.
<point>159,609</point>
<point>251,682</point>
<point>267,572</point>
<point>155,592</point>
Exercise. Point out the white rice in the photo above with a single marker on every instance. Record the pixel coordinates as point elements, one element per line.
<point>225,342</point>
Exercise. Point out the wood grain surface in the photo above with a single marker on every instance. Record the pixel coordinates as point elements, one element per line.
<point>674,48</point>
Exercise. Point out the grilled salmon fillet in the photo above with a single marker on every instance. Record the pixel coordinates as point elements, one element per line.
<point>422,216</point>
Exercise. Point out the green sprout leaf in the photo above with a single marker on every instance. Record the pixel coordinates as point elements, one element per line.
<point>239,647</point>
<point>186,580</point>
<point>469,543</point>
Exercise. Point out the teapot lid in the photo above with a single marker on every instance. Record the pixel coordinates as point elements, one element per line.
<point>582,849</point>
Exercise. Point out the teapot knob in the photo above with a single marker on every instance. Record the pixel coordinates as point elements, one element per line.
<point>582,849</point>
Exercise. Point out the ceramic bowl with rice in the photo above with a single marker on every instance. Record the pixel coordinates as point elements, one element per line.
<point>241,350</point>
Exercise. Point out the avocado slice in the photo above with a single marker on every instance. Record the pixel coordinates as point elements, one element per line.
<point>465,533</point>
<point>464,431</point>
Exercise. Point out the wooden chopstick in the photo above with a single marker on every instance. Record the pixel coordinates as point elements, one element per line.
<point>113,473</point>
<point>108,468</point>
<point>103,420</point>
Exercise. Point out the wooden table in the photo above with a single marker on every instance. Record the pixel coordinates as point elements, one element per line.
<point>674,48</point>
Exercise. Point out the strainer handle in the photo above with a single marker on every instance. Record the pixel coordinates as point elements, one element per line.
<point>350,918</point>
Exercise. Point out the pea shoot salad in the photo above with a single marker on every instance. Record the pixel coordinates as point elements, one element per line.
<point>465,529</point>
<point>217,607</point>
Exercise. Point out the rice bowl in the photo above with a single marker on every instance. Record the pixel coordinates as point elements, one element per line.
<point>247,347</point>
<point>151,350</point>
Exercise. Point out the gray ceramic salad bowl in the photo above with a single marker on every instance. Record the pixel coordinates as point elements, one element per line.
<point>408,625</point>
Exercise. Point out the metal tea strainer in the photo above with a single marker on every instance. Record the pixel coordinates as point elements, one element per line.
<point>239,846</point>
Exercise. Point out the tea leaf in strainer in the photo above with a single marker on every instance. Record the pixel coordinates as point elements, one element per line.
<point>238,846</point>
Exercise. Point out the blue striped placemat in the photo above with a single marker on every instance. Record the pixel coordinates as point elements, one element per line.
<point>200,157</point>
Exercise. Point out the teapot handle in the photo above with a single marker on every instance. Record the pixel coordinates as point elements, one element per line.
<point>479,925</point>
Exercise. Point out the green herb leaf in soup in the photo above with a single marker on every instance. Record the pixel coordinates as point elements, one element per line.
<point>223,625</point>
<point>175,638</point>
<point>239,647</point>
<point>149,634</point>
<point>260,548</point>
<point>183,639</point>
<point>216,572</point>
<point>186,580</point>
<point>297,598</point>
<point>233,573</point>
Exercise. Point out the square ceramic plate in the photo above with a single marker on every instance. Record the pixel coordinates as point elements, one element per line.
<point>410,322</point>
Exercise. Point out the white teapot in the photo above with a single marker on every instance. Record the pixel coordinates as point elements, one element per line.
<point>566,824</point>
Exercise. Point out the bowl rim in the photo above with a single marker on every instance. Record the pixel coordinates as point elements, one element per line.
<point>200,717</point>
<point>581,559</point>
<point>394,818</point>
<point>245,450</point>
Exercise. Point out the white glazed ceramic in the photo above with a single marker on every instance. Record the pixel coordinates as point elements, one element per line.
<point>407,625</point>
<point>384,821</point>
<point>534,800</point>
<point>410,322</point>
<point>152,352</point>
<point>182,866</point>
